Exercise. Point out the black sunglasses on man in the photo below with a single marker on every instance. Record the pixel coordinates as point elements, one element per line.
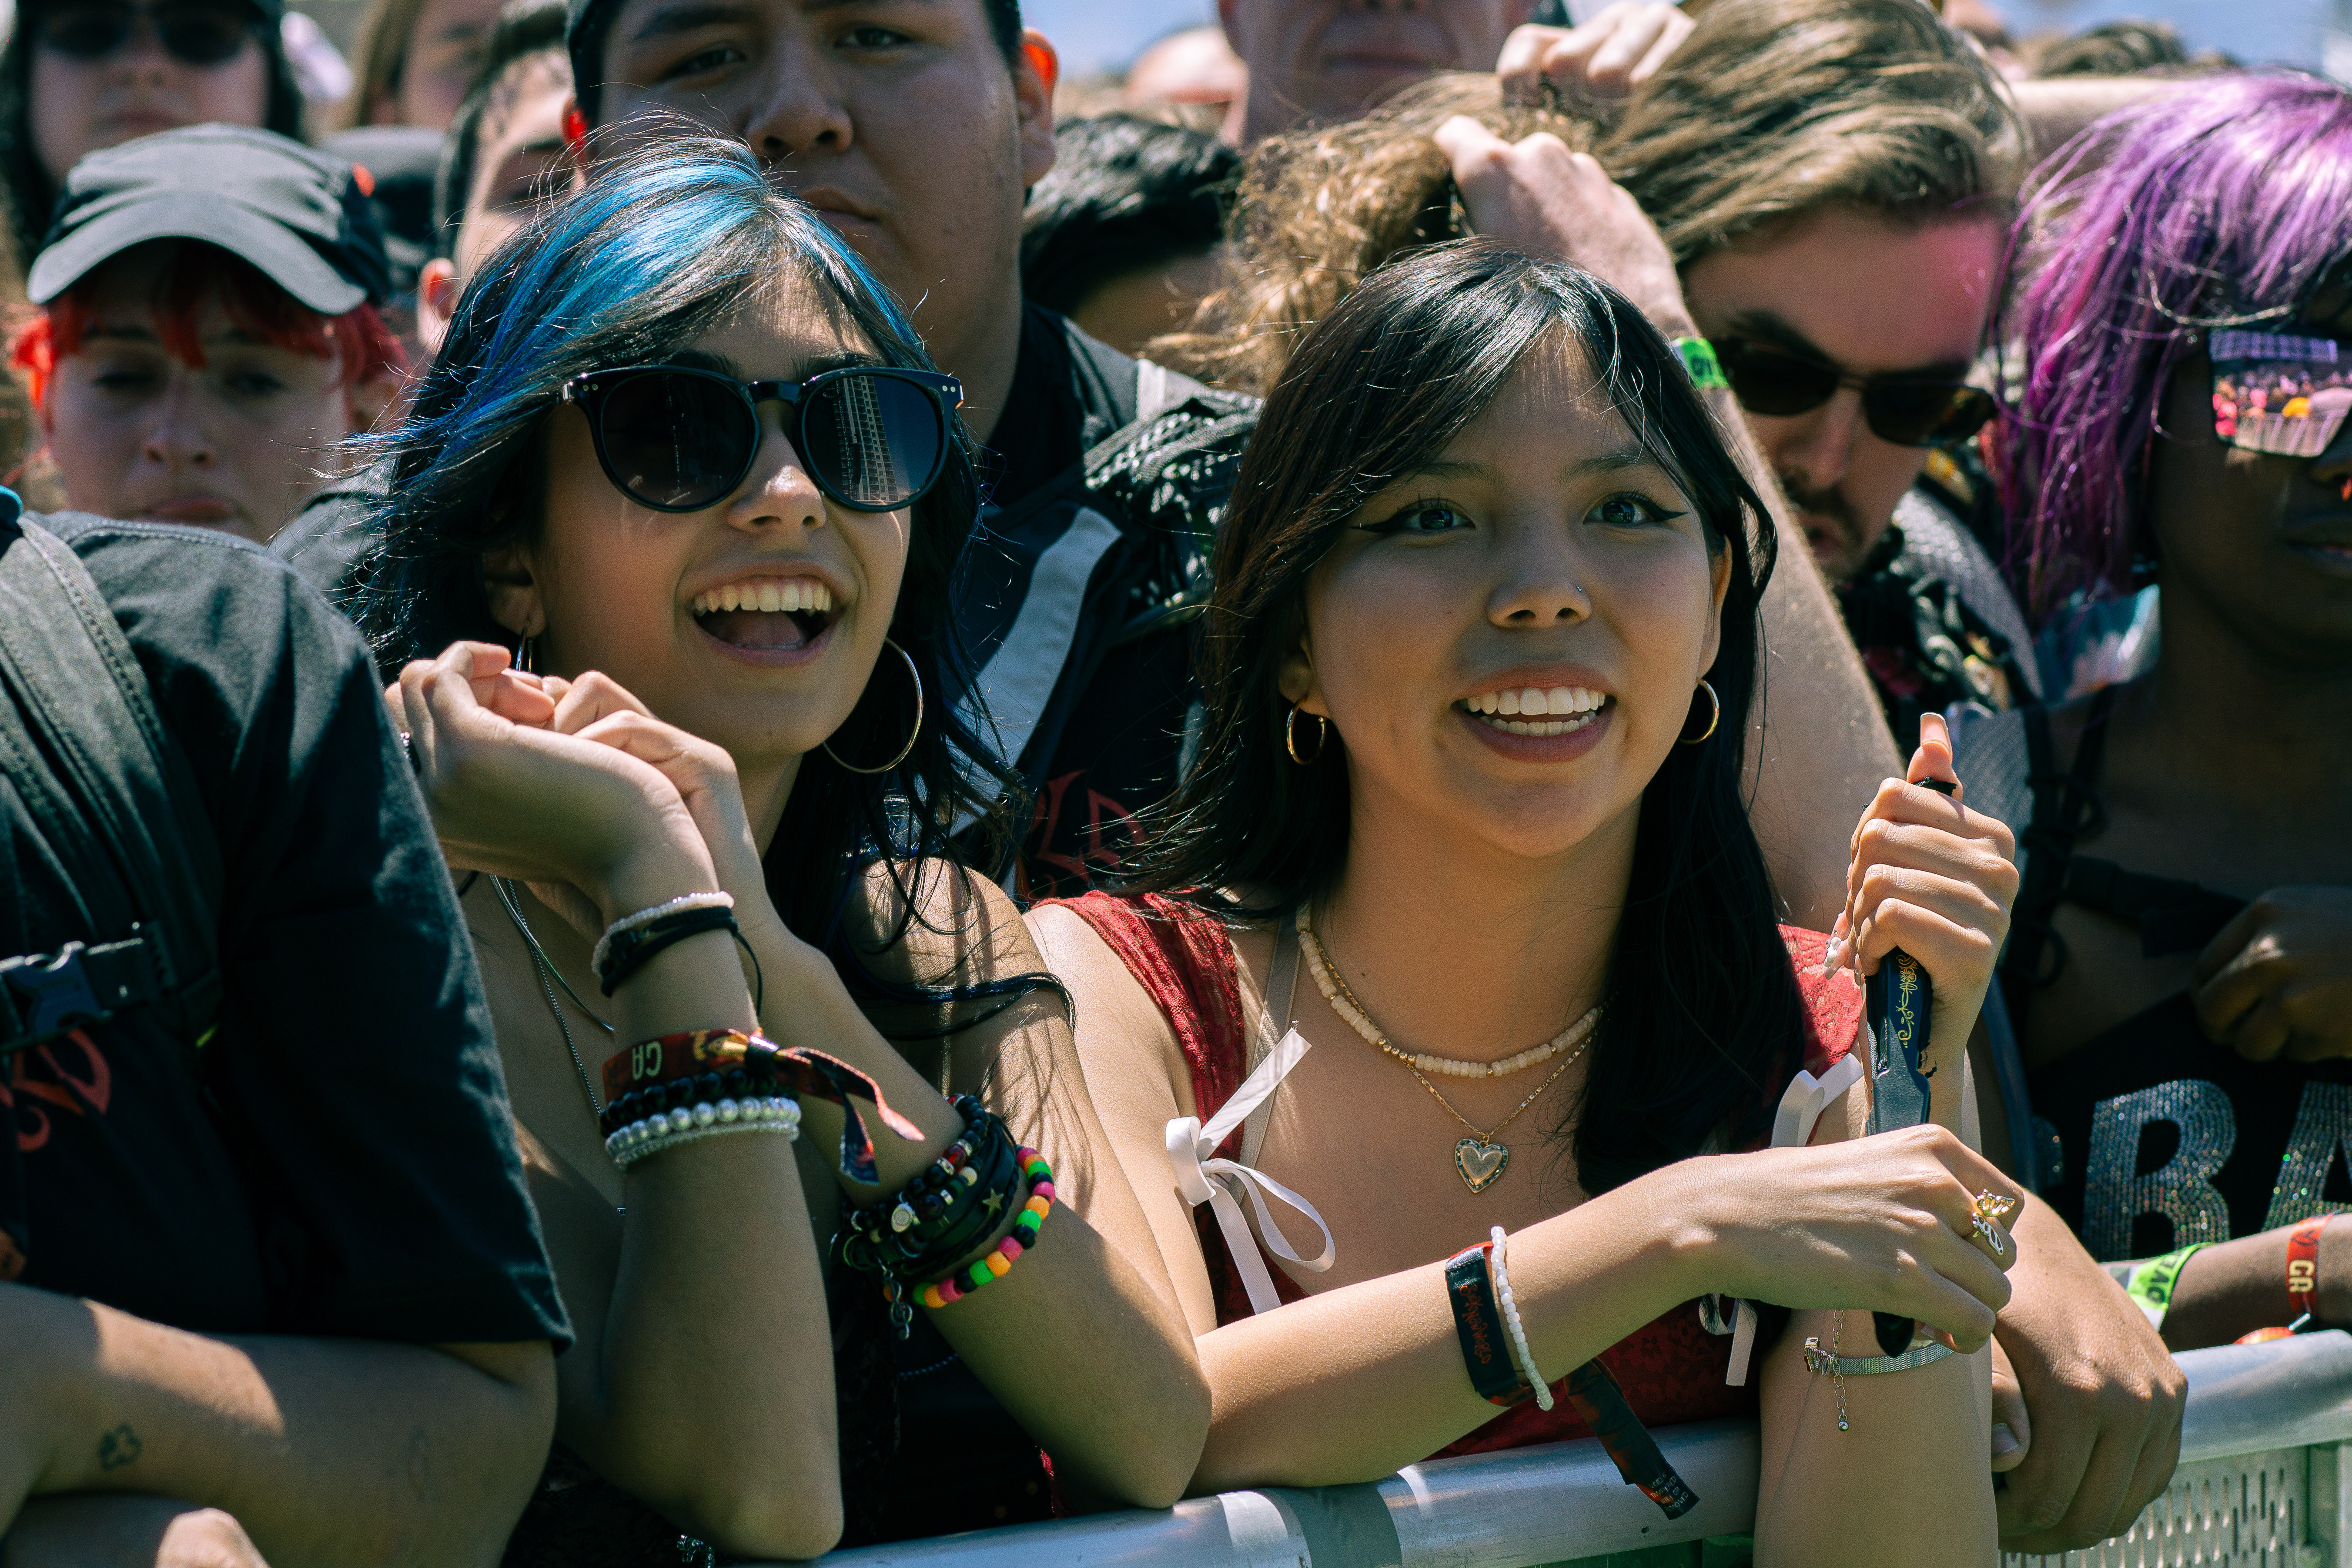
<point>1780,383</point>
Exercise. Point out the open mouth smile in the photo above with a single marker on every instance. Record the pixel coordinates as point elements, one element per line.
<point>767,614</point>
<point>1536,711</point>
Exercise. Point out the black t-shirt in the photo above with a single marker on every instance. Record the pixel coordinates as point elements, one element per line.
<point>339,1159</point>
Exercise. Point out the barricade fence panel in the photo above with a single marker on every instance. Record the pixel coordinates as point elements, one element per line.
<point>2266,1481</point>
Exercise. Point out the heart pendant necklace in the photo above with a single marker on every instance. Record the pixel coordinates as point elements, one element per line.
<point>1479,1159</point>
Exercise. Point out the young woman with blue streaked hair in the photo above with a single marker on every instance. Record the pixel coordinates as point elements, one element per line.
<point>667,548</point>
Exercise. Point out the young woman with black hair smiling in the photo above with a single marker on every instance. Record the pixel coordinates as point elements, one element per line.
<point>1489,580</point>
<point>733,594</point>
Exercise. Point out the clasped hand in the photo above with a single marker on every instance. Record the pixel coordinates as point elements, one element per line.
<point>574,787</point>
<point>1931,876</point>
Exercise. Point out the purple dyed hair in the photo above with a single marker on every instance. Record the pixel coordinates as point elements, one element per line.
<point>2223,204</point>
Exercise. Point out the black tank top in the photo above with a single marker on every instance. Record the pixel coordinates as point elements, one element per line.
<point>2166,1139</point>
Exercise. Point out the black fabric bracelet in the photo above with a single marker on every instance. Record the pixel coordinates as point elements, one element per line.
<point>1470,1289</point>
<point>630,951</point>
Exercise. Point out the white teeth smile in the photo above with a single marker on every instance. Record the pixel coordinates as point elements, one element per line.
<point>1537,710</point>
<point>772,596</point>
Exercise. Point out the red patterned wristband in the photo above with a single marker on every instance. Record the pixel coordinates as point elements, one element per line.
<point>2302,1268</point>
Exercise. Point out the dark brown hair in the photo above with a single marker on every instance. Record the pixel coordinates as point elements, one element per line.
<point>1701,1009</point>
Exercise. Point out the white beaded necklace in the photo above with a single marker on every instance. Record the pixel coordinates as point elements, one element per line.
<point>1343,1002</point>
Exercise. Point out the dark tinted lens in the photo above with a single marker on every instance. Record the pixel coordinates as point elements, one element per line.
<point>199,36</point>
<point>1774,384</point>
<point>1924,413</point>
<point>677,442</point>
<point>875,440</point>
<point>85,32</point>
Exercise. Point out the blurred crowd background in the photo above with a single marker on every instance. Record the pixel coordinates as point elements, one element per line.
<point>1175,42</point>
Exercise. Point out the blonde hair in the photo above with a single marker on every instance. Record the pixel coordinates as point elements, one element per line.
<point>1770,109</point>
<point>1317,209</point>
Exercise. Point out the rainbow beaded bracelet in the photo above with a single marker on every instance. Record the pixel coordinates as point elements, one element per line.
<point>1024,1235</point>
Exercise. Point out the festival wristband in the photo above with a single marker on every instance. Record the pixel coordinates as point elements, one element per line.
<point>2151,1281</point>
<point>789,1070</point>
<point>1597,1400</point>
<point>2302,1268</point>
<point>1705,370</point>
<point>1469,1289</point>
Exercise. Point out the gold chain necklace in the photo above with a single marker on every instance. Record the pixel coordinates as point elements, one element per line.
<point>1479,1159</point>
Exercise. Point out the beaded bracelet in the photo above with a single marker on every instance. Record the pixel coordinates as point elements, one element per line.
<point>999,1263</point>
<point>1522,1357</point>
<point>945,1209</point>
<point>769,1069</point>
<point>654,1134</point>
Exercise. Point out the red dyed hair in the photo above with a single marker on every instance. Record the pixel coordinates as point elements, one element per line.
<point>194,273</point>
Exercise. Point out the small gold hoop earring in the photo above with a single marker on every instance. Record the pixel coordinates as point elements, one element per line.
<point>526,659</point>
<point>1290,737</point>
<point>1714,717</point>
<point>904,751</point>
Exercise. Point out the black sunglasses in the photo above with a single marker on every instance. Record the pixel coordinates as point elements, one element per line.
<point>1909,411</point>
<point>193,35</point>
<point>676,438</point>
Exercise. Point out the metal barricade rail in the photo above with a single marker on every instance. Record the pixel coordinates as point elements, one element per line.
<point>2266,1481</point>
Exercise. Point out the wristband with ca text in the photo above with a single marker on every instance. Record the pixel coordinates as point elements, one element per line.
<point>2302,1271</point>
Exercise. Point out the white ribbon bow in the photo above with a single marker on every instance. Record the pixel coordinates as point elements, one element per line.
<point>1792,1128</point>
<point>1202,1179</point>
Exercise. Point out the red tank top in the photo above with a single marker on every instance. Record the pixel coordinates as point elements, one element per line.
<point>1671,1369</point>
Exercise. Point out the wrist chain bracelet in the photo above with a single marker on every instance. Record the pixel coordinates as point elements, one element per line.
<point>1923,1352</point>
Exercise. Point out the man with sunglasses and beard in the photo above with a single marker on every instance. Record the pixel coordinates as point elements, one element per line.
<point>914,128</point>
<point>1844,267</point>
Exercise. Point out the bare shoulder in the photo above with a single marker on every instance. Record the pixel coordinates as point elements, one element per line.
<point>933,922</point>
<point>1118,1024</point>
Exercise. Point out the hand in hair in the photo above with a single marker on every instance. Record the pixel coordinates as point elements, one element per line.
<point>1556,204</point>
<point>2277,982</point>
<point>1606,58</point>
<point>1931,876</point>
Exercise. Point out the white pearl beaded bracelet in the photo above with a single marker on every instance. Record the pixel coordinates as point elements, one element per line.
<point>1525,1358</point>
<point>691,1124</point>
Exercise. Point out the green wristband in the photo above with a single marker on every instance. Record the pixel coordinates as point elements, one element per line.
<point>1705,370</point>
<point>2150,1283</point>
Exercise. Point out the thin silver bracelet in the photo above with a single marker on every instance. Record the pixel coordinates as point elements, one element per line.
<point>1522,1357</point>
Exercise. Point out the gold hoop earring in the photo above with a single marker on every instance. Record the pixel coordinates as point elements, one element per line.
<point>1290,737</point>
<point>1713,717</point>
<point>904,751</point>
<point>526,659</point>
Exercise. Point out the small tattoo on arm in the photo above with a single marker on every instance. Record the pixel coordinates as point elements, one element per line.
<point>119,1447</point>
